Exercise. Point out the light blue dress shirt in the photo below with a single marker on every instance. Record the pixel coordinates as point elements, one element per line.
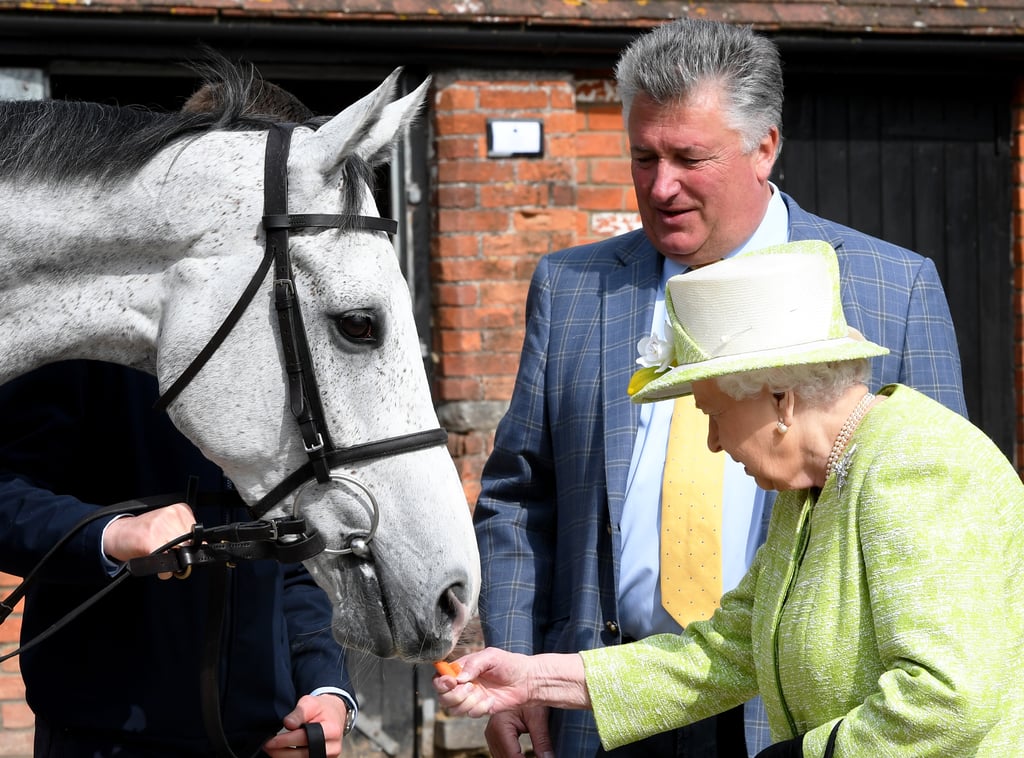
<point>640,611</point>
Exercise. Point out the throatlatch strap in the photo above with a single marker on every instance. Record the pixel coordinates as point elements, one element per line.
<point>218,336</point>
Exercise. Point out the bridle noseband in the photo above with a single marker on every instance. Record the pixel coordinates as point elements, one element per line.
<point>304,397</point>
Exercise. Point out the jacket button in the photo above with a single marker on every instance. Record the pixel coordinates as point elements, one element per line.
<point>612,627</point>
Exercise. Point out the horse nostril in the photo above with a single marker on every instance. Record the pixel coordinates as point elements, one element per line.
<point>452,603</point>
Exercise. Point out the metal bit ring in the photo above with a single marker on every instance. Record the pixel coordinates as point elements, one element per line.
<point>358,542</point>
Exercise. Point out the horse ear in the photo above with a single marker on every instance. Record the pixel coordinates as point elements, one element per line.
<point>368,127</point>
<point>394,122</point>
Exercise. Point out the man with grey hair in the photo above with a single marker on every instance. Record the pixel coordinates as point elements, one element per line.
<point>568,516</point>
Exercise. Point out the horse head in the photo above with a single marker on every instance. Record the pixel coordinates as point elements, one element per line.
<point>411,582</point>
<point>151,252</point>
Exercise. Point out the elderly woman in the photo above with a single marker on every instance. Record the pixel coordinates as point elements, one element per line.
<point>884,613</point>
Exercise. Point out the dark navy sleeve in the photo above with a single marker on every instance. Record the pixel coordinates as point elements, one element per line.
<point>317,659</point>
<point>39,437</point>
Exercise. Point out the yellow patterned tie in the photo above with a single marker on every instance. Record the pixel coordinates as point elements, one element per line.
<point>691,518</point>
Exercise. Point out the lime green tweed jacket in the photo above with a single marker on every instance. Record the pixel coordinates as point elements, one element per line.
<point>892,599</point>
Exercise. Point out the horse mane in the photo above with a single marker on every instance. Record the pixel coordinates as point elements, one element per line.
<point>65,140</point>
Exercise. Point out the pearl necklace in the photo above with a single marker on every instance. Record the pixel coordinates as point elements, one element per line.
<point>844,434</point>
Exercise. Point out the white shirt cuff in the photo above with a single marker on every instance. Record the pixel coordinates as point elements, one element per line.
<point>350,704</point>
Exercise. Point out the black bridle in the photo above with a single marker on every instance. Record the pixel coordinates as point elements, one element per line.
<point>304,398</point>
<point>305,403</point>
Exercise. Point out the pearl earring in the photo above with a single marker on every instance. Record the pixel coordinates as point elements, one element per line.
<point>782,427</point>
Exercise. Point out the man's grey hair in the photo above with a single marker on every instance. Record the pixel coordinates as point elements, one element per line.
<point>673,61</point>
<point>817,384</point>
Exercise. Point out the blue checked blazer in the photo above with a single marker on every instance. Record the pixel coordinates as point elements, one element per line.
<point>547,519</point>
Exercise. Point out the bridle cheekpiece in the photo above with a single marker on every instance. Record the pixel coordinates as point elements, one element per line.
<point>304,398</point>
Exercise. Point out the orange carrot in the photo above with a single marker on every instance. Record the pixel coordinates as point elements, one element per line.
<point>446,668</point>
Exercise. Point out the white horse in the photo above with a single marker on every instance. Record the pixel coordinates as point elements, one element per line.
<point>127,236</point>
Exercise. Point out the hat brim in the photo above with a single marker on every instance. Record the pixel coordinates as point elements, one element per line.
<point>679,381</point>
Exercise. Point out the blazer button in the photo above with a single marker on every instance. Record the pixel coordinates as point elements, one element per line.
<point>612,627</point>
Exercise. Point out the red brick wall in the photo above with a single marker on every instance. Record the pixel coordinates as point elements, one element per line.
<point>494,217</point>
<point>16,719</point>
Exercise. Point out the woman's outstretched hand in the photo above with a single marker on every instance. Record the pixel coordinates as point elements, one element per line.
<point>494,681</point>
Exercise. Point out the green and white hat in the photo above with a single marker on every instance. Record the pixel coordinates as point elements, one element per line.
<point>779,306</point>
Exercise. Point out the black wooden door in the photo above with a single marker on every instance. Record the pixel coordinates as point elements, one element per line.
<point>922,161</point>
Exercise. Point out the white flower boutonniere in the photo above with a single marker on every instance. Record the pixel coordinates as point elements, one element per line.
<point>657,355</point>
<point>656,352</point>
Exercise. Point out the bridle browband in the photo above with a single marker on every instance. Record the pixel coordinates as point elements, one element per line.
<point>304,398</point>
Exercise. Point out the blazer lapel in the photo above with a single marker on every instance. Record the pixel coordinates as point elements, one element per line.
<point>628,307</point>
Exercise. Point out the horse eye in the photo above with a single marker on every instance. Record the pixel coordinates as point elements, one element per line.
<point>357,326</point>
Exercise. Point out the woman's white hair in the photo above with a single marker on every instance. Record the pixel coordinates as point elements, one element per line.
<point>817,384</point>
